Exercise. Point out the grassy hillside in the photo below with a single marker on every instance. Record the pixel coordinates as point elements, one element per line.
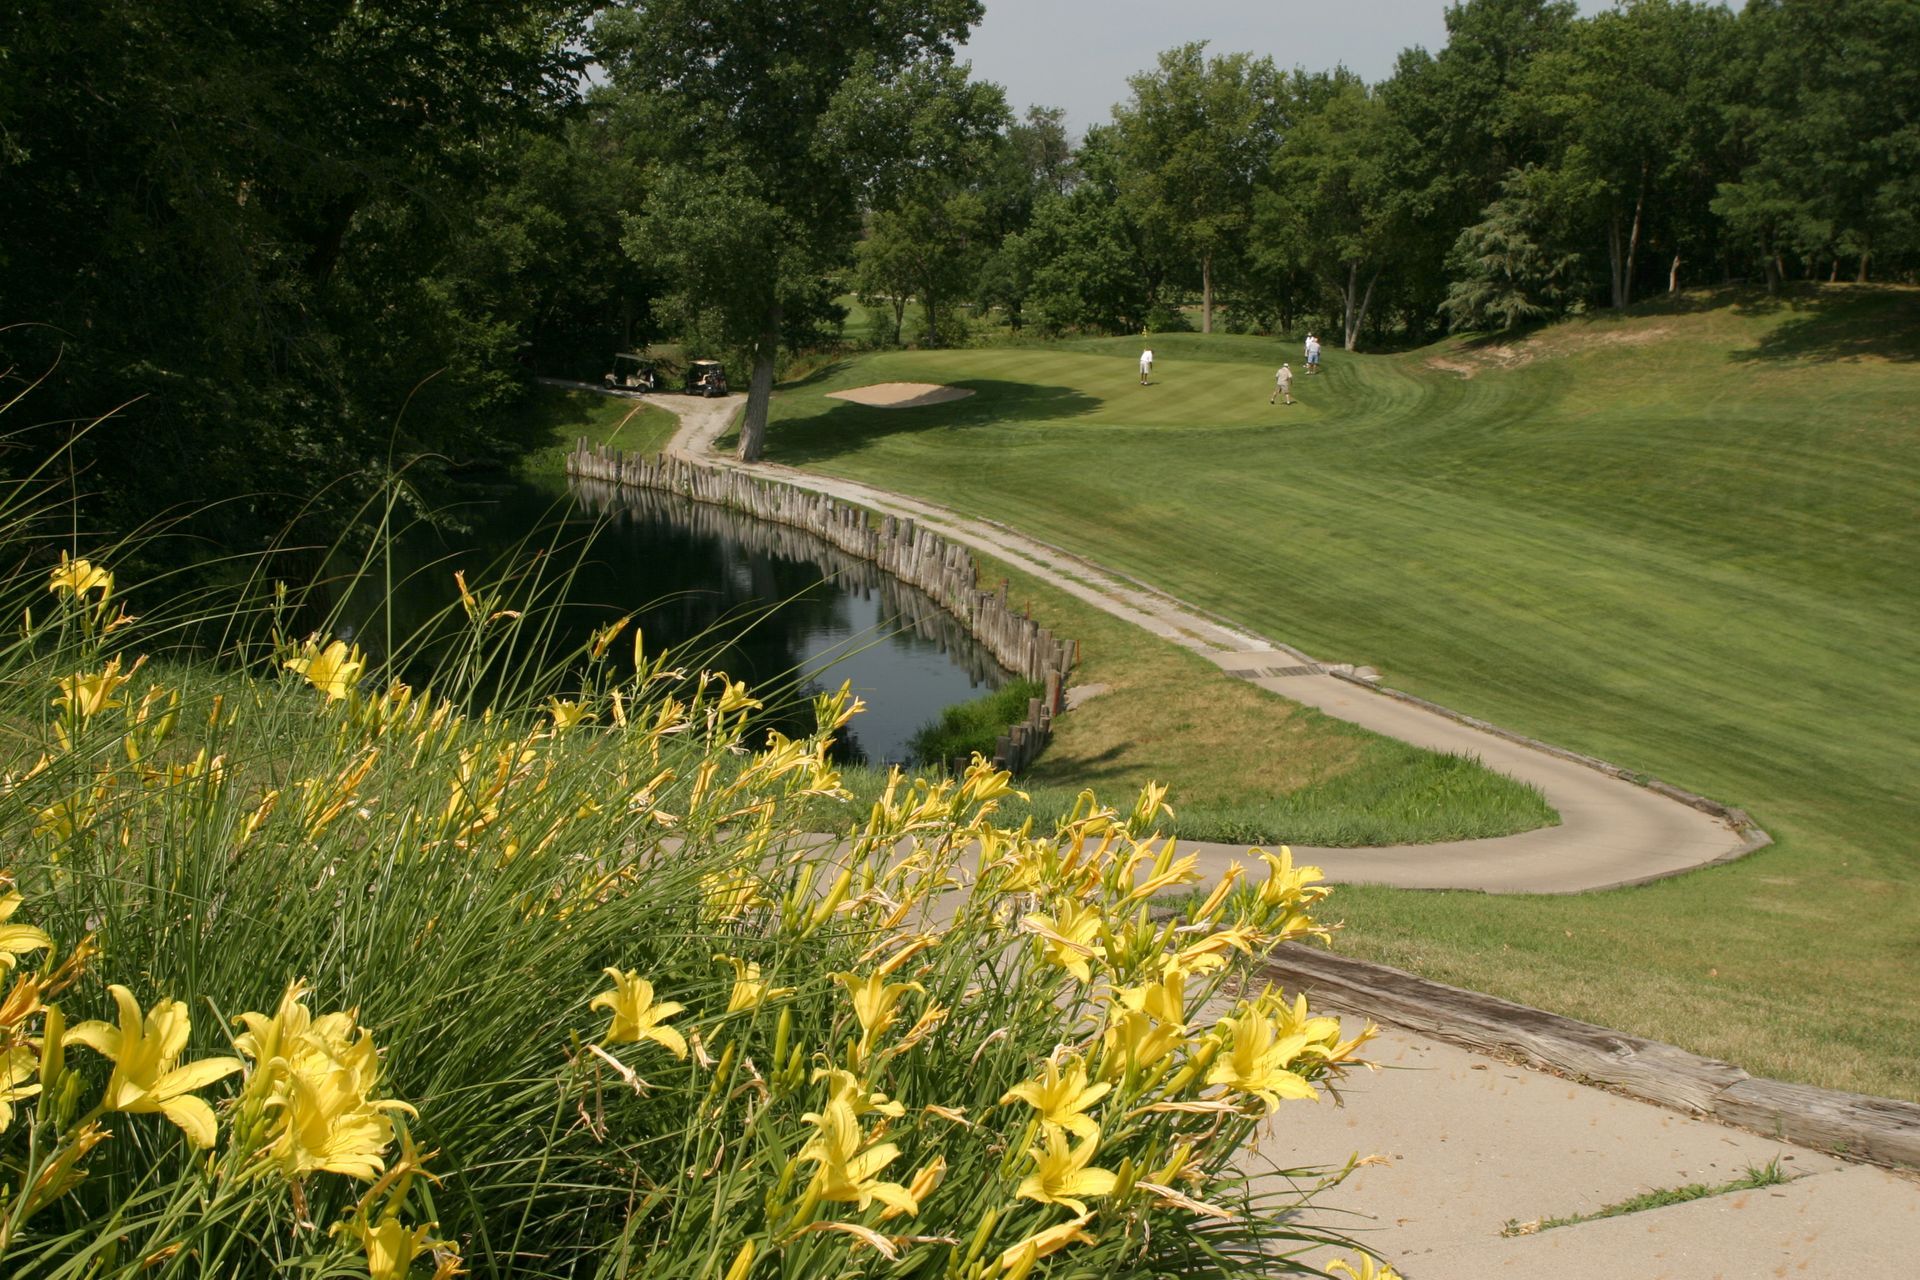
<point>1683,539</point>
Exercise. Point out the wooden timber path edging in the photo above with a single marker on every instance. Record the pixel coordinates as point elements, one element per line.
<point>944,571</point>
<point>1614,830</point>
<point>1856,1126</point>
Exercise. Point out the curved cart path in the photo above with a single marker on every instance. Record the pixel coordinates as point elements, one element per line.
<point>1471,1143</point>
<point>1611,833</point>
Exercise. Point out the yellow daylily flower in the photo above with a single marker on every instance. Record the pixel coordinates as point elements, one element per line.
<point>332,670</point>
<point>1256,1062</point>
<point>1208,954</point>
<point>78,577</point>
<point>1133,1039</point>
<point>88,695</point>
<point>926,1180</point>
<point>567,715</point>
<point>876,1002</point>
<point>17,940</point>
<point>1369,1269</point>
<point>1062,1174</point>
<point>1165,1000</point>
<point>390,1244</point>
<point>1068,938</point>
<point>748,990</point>
<point>19,1067</point>
<point>313,1082</point>
<point>603,637</point>
<point>1286,884</point>
<point>1292,1018</point>
<point>1044,1244</point>
<point>846,1172</point>
<point>1061,1098</point>
<point>844,1086</point>
<point>734,697</point>
<point>145,1050</point>
<point>636,1015</point>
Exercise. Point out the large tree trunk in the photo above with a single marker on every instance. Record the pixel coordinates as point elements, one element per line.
<point>1614,259</point>
<point>753,423</point>
<point>1673,274</point>
<point>1633,241</point>
<point>1356,311</point>
<point>1773,274</point>
<point>1865,256</point>
<point>899,301</point>
<point>1206,293</point>
<point>325,252</point>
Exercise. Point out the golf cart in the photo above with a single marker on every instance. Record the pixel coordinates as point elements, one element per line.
<point>632,372</point>
<point>706,378</point>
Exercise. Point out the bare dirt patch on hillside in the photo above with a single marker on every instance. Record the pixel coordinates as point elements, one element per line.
<point>900,395</point>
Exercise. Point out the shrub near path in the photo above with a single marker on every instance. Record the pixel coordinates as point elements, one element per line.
<point>1682,540</point>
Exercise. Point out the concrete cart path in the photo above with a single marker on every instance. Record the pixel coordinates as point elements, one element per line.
<point>1611,831</point>
<point>1469,1144</point>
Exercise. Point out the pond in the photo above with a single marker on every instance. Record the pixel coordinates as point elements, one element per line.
<point>772,605</point>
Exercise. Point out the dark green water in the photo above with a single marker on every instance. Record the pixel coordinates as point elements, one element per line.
<point>768,604</point>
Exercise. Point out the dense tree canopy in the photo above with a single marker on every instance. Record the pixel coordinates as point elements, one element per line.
<point>316,242</point>
<point>242,215</point>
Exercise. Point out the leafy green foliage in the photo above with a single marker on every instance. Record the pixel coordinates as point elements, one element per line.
<point>1506,272</point>
<point>235,218</point>
<point>753,208</point>
<point>970,727</point>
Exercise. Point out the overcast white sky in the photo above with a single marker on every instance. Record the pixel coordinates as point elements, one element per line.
<point>1078,54</point>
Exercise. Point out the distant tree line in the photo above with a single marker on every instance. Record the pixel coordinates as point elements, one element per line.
<point>314,242</point>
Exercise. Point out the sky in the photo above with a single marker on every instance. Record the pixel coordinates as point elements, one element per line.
<point>1077,54</point>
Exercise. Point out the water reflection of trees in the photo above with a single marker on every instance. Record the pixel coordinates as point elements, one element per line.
<point>765,603</point>
<point>901,607</point>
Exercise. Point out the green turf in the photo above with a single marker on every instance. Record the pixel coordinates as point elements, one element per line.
<point>555,419</point>
<point>1682,539</point>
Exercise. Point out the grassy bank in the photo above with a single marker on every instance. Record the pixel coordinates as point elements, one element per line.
<point>1246,765</point>
<point>555,419</point>
<point>1682,539</point>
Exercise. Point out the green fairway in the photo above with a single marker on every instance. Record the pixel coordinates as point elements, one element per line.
<point>1683,540</point>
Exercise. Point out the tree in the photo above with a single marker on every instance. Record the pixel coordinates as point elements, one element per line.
<point>1833,131</point>
<point>920,145</point>
<point>1507,269</point>
<point>1626,97</point>
<point>1032,161</point>
<point>1332,208</point>
<point>1195,137</point>
<point>236,215</point>
<point>750,211</point>
<point>1457,126</point>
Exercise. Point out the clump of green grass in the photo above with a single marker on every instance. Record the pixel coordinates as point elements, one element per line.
<point>1769,1174</point>
<point>973,727</point>
<point>310,972</point>
<point>1430,798</point>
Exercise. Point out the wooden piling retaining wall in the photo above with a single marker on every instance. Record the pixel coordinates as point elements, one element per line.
<point>943,570</point>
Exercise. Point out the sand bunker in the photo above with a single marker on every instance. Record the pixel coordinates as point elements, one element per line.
<point>901,395</point>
